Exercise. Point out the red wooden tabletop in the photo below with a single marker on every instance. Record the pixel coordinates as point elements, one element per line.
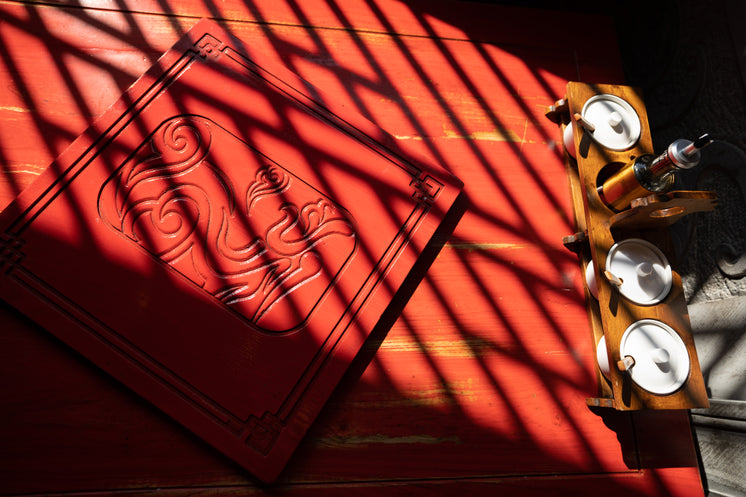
<point>479,387</point>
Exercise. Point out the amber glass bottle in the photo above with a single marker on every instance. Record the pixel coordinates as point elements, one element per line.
<point>649,174</point>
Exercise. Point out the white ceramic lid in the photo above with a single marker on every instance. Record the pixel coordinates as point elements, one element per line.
<point>568,139</point>
<point>616,122</point>
<point>644,271</point>
<point>661,359</point>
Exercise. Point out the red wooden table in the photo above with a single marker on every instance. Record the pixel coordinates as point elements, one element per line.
<point>480,385</point>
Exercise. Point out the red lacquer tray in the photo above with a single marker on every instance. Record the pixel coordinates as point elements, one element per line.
<point>223,240</point>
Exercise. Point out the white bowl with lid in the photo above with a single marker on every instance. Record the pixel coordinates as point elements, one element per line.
<point>617,125</point>
<point>590,279</point>
<point>661,360</point>
<point>644,270</point>
<point>568,139</point>
<point>602,358</point>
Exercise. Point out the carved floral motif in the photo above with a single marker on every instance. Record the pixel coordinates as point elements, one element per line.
<point>262,242</point>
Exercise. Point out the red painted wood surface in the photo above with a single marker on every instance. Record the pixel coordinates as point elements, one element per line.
<point>223,243</point>
<point>479,387</point>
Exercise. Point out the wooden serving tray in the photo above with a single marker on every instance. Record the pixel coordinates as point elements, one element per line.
<point>223,240</point>
<point>647,218</point>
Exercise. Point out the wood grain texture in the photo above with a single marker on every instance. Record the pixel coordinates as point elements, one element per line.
<point>484,375</point>
<point>662,210</point>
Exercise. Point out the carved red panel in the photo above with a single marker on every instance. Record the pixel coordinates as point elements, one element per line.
<point>223,240</point>
<point>256,237</point>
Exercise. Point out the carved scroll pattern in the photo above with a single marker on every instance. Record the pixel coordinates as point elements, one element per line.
<point>269,253</point>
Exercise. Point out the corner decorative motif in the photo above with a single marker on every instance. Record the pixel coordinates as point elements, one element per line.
<point>209,46</point>
<point>263,433</point>
<point>426,189</point>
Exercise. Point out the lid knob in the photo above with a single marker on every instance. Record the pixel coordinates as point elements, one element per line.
<point>644,269</point>
<point>615,121</point>
<point>660,356</point>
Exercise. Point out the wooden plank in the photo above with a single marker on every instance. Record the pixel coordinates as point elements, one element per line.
<point>108,50</point>
<point>472,21</point>
<point>616,485</point>
<point>484,375</point>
